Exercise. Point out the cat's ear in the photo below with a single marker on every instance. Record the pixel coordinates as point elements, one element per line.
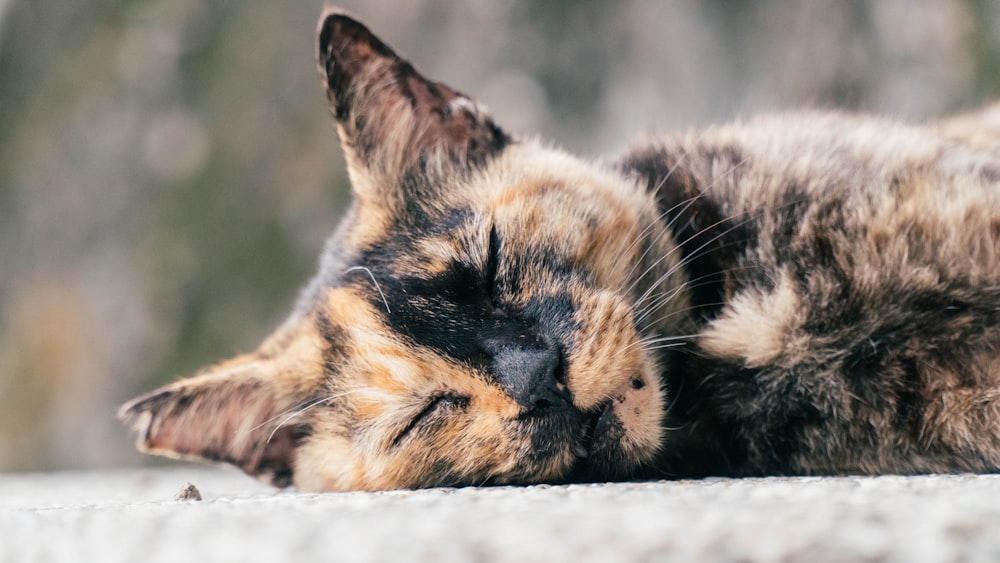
<point>392,121</point>
<point>242,412</point>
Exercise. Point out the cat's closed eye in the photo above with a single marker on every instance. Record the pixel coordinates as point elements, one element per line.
<point>490,272</point>
<point>439,405</point>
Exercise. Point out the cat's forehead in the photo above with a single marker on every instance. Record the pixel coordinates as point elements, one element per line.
<point>541,206</point>
<point>525,185</point>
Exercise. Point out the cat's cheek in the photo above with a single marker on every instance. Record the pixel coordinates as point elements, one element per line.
<point>327,464</point>
<point>639,406</point>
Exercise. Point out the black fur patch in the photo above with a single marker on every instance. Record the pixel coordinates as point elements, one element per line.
<point>457,312</point>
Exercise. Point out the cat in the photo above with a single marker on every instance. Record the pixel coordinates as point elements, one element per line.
<point>802,294</point>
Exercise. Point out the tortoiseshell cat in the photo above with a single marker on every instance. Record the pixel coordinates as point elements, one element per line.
<point>804,294</point>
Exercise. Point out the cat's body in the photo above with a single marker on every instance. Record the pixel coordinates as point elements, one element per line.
<point>858,330</point>
<point>803,294</point>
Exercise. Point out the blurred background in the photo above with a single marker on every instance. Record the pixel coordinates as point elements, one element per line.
<point>168,170</point>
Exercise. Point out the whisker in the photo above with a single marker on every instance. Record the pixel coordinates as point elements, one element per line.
<point>665,339</point>
<point>643,343</point>
<point>683,204</point>
<point>681,263</point>
<point>677,396</point>
<point>663,232</point>
<point>693,283</point>
<point>377,286</point>
<point>750,216</point>
<point>638,238</point>
<point>653,306</point>
<point>642,312</point>
<point>687,203</point>
<point>659,320</point>
<point>308,405</point>
<point>661,346</point>
<point>299,411</point>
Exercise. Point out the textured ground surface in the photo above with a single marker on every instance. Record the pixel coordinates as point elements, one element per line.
<point>131,516</point>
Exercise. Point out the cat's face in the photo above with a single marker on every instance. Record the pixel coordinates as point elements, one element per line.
<point>478,317</point>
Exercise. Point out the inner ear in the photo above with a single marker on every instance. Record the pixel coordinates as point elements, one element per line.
<point>391,119</point>
<point>236,414</point>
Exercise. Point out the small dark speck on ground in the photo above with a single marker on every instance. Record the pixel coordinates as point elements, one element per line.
<point>188,492</point>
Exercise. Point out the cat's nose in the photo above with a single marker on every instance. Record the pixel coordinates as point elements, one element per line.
<point>531,376</point>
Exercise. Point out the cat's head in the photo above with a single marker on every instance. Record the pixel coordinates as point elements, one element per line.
<point>479,316</point>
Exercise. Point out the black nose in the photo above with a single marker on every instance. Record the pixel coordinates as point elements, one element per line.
<point>531,376</point>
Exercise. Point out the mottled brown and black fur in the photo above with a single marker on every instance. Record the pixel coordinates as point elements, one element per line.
<point>814,293</point>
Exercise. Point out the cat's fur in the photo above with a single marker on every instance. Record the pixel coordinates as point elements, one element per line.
<point>815,293</point>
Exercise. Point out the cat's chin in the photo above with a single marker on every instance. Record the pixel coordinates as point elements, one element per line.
<point>615,443</point>
<point>602,430</point>
<point>601,454</point>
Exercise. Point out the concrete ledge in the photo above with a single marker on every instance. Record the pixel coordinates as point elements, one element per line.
<point>131,516</point>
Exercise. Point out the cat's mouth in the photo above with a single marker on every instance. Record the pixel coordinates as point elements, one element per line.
<point>597,422</point>
<point>606,448</point>
<point>598,445</point>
